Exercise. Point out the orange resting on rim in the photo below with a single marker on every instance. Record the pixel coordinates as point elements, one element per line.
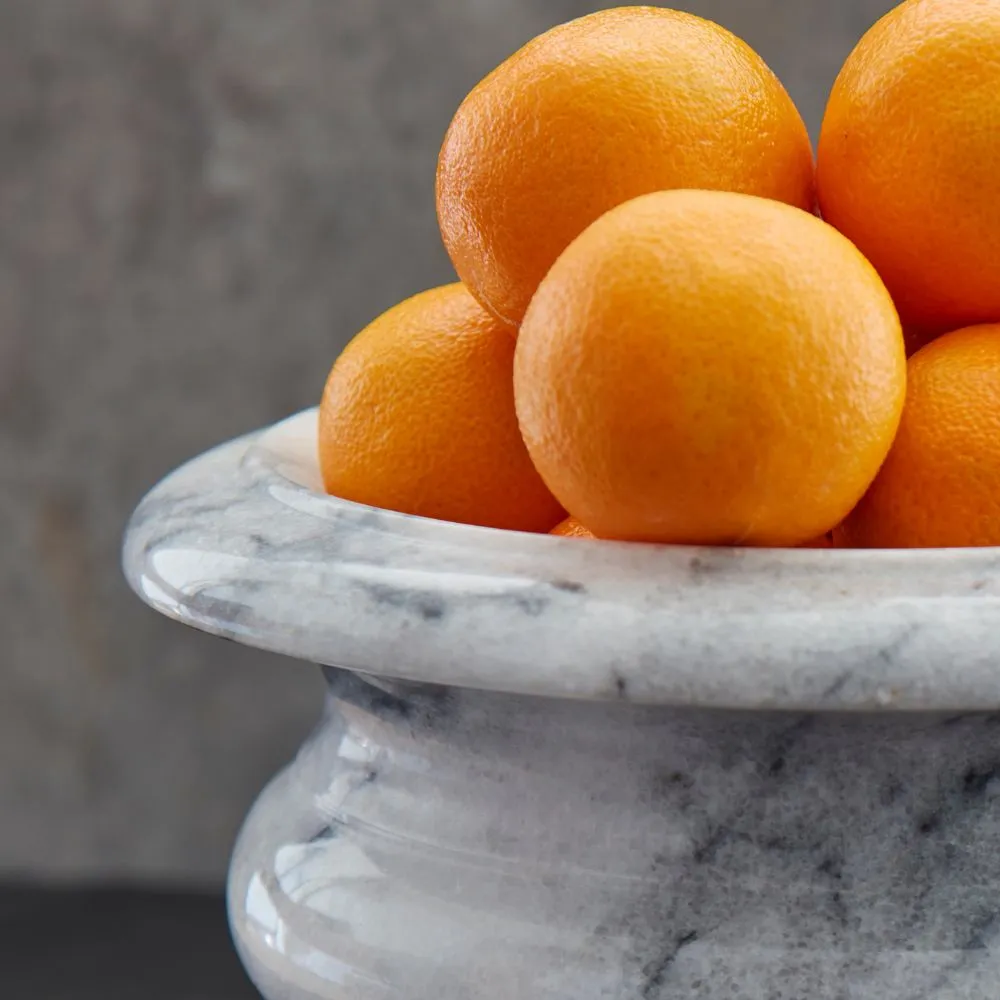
<point>418,416</point>
<point>572,528</point>
<point>710,368</point>
<point>940,485</point>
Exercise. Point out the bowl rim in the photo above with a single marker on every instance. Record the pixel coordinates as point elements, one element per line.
<point>242,542</point>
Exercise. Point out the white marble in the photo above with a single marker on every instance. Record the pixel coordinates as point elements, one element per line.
<point>240,543</point>
<point>437,844</point>
<point>552,769</point>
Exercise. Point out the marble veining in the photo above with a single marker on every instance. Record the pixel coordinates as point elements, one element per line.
<point>241,542</point>
<point>457,845</point>
<point>554,769</point>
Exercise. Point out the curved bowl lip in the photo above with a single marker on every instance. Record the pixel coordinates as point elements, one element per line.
<point>242,542</point>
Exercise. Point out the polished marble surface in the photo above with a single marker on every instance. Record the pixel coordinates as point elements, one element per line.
<point>438,844</point>
<point>569,770</point>
<point>240,543</point>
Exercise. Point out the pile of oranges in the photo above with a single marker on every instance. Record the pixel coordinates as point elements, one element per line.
<point>675,324</point>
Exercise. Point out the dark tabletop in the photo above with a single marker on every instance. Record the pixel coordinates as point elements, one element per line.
<point>116,944</point>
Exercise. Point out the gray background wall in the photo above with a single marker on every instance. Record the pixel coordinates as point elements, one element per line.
<point>200,201</point>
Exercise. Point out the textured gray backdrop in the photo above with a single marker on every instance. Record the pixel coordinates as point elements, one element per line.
<point>200,201</point>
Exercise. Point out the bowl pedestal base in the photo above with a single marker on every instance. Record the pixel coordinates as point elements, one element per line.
<point>431,843</point>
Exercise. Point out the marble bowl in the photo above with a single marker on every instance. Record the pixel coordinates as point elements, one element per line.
<point>555,769</point>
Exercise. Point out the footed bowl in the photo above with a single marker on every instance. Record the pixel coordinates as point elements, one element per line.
<point>557,769</point>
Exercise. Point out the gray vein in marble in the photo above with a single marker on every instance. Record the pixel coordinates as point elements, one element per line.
<point>242,543</point>
<point>564,850</point>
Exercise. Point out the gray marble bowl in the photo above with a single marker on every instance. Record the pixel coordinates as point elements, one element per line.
<point>556,769</point>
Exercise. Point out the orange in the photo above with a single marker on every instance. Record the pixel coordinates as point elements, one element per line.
<point>940,486</point>
<point>418,416</point>
<point>909,160</point>
<point>596,112</point>
<point>572,528</point>
<point>707,367</point>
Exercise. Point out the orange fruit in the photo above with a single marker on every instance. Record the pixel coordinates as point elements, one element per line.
<point>572,528</point>
<point>940,485</point>
<point>418,416</point>
<point>596,112</point>
<point>710,368</point>
<point>909,160</point>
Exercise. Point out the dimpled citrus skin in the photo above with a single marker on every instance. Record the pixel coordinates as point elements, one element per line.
<point>572,528</point>
<point>418,416</point>
<point>712,368</point>
<point>940,485</point>
<point>909,160</point>
<point>596,112</point>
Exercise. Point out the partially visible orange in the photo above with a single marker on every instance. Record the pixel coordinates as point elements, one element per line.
<point>710,368</point>
<point>593,113</point>
<point>940,485</point>
<point>909,160</point>
<point>572,528</point>
<point>418,416</point>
